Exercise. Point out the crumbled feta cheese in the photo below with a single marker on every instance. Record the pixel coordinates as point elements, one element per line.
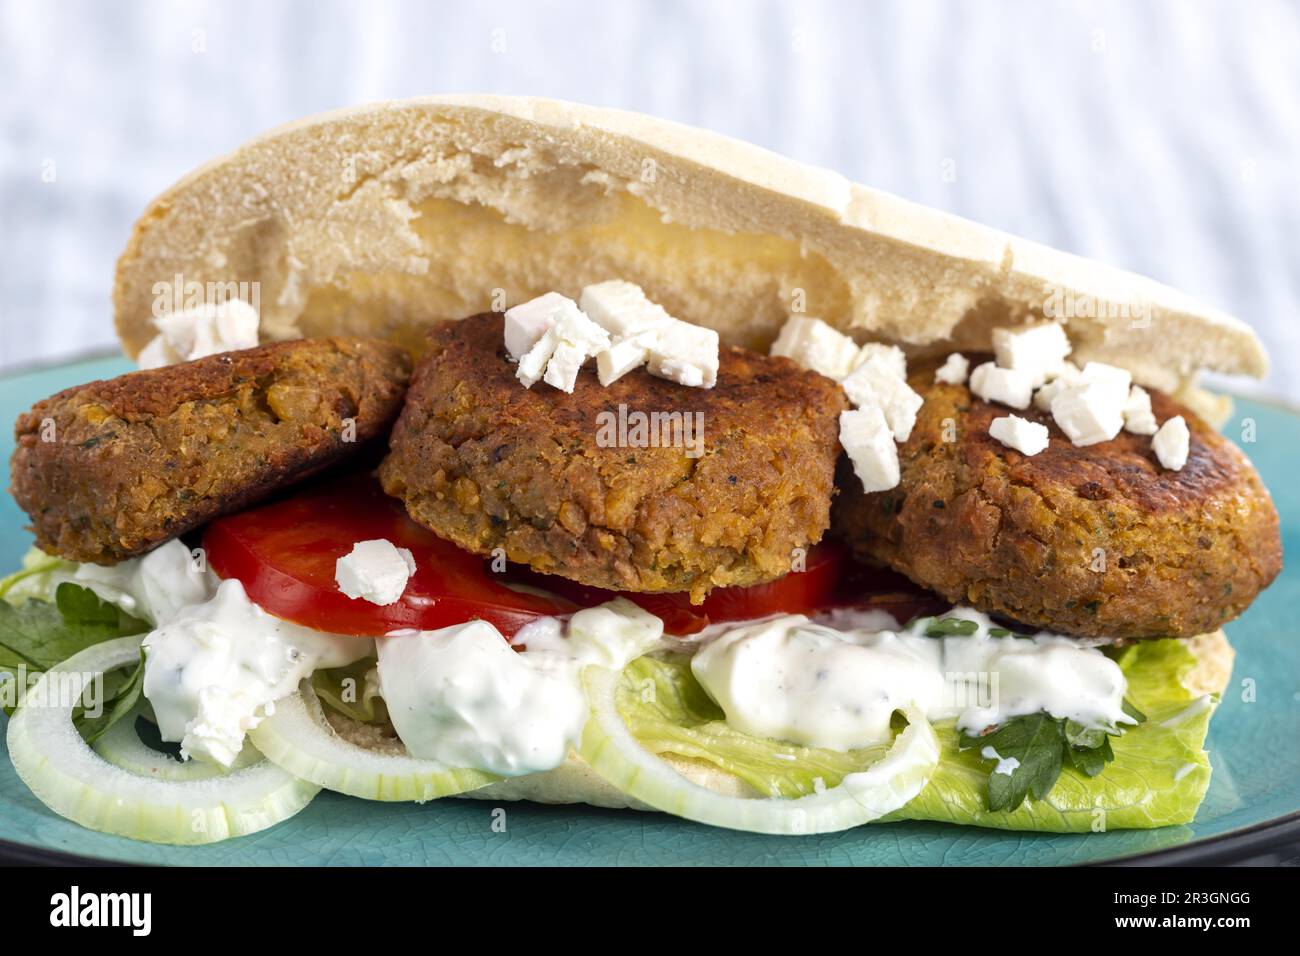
<point>1112,375</point>
<point>816,346</point>
<point>559,353</point>
<point>686,354</point>
<point>532,365</point>
<point>1004,385</point>
<point>1037,350</point>
<point>1090,412</point>
<point>562,370</point>
<point>892,355</point>
<point>954,370</point>
<point>1172,443</point>
<point>1138,418</point>
<point>875,383</point>
<point>1067,374</point>
<point>376,570</point>
<point>621,308</point>
<point>623,356</point>
<point>640,331</point>
<point>1026,437</point>
<point>528,322</point>
<point>869,443</point>
<point>200,331</point>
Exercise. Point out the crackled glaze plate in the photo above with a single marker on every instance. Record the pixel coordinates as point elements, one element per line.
<point>1254,796</point>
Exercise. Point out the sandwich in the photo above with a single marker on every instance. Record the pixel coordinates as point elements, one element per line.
<point>509,449</point>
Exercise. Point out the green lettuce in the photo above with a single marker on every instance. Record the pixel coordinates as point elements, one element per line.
<point>38,578</point>
<point>346,690</point>
<point>669,712</point>
<point>1158,776</point>
<point>36,634</point>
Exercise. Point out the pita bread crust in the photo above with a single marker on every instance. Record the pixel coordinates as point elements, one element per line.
<point>385,218</point>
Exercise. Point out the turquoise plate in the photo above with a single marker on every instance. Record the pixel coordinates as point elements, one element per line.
<point>1255,790</point>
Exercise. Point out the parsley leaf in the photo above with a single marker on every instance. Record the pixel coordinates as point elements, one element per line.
<point>951,627</point>
<point>1036,741</point>
<point>1042,746</point>
<point>36,635</point>
<point>117,704</point>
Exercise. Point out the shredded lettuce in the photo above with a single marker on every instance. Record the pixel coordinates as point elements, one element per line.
<point>352,691</point>
<point>1158,776</point>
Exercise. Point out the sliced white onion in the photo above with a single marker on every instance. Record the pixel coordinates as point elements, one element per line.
<point>121,746</point>
<point>299,738</point>
<point>886,785</point>
<point>74,781</point>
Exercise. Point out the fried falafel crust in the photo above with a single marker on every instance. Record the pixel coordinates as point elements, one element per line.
<point>486,464</point>
<point>113,468</point>
<point>1097,541</point>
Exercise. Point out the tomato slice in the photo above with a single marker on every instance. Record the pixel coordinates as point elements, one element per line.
<point>284,553</point>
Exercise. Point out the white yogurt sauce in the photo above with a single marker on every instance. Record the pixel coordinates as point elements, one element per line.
<point>791,678</point>
<point>463,696</point>
<point>153,587</point>
<point>215,669</point>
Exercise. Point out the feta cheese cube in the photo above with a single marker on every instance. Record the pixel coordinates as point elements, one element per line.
<point>1138,418</point>
<point>816,346</point>
<point>528,321</point>
<point>875,383</point>
<point>1026,437</point>
<point>532,365</point>
<point>623,356</point>
<point>1172,443</point>
<point>1112,375</point>
<point>559,353</point>
<point>1067,374</point>
<point>892,355</point>
<point>621,308</point>
<point>562,370</point>
<point>954,370</point>
<point>1007,386</point>
<point>1037,350</point>
<point>1089,412</point>
<point>869,443</point>
<point>376,570</point>
<point>686,354</point>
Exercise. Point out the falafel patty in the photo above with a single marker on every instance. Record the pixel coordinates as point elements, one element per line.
<point>1098,541</point>
<point>548,477</point>
<point>113,468</point>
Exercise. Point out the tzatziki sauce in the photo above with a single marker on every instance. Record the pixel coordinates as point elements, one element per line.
<point>793,678</point>
<point>463,696</point>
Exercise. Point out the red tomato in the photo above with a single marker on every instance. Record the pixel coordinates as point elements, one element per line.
<point>284,553</point>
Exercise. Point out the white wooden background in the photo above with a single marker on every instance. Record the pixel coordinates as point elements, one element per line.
<point>1163,137</point>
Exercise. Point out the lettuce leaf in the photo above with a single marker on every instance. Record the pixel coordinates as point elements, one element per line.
<point>36,634</point>
<point>669,712</point>
<point>346,690</point>
<point>1158,776</point>
<point>38,578</point>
